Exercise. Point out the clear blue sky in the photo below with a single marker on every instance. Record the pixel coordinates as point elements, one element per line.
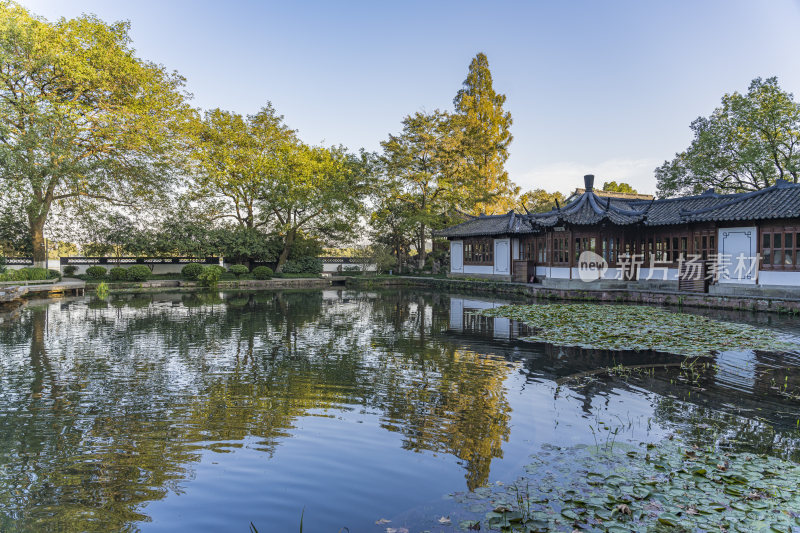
<point>603,87</point>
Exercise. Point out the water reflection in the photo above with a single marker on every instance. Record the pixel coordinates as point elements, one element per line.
<point>744,398</point>
<point>108,406</point>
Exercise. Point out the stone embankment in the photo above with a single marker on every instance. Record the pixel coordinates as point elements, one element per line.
<point>743,302</point>
<point>12,293</point>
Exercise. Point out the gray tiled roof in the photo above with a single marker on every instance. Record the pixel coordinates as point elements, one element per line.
<point>510,223</point>
<point>782,200</point>
<point>590,209</point>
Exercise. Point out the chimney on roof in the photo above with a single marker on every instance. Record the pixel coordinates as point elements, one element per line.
<point>588,181</point>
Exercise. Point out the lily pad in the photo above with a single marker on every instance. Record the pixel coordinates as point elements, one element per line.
<point>632,327</point>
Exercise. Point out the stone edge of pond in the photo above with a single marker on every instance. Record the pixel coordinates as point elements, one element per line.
<point>768,304</point>
<point>190,286</point>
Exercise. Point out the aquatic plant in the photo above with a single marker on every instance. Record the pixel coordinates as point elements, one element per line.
<point>633,327</point>
<point>668,486</point>
<point>102,290</point>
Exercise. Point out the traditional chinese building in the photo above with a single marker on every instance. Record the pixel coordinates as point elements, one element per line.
<point>687,242</point>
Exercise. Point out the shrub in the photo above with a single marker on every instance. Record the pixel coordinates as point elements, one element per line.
<point>138,273</point>
<point>31,273</point>
<point>304,265</point>
<point>239,270</point>
<point>118,274</point>
<point>262,272</point>
<point>210,276</point>
<point>192,271</point>
<point>10,275</point>
<point>53,274</point>
<point>70,270</point>
<point>2,265</point>
<point>96,272</point>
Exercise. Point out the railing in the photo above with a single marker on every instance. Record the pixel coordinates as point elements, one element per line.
<point>138,260</point>
<point>345,260</point>
<point>26,261</point>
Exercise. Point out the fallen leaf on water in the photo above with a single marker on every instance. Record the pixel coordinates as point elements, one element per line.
<point>624,509</point>
<point>396,530</point>
<point>382,521</point>
<point>444,520</point>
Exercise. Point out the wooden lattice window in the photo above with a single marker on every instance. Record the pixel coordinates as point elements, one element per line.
<point>479,251</point>
<point>584,243</point>
<point>669,247</point>
<point>779,248</point>
<point>560,249</point>
<point>705,244</point>
<point>610,249</point>
<point>527,250</point>
<point>541,250</point>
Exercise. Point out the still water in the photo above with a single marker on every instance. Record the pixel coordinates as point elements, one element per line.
<point>206,412</point>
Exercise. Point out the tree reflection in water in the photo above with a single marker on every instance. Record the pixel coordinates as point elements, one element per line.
<point>105,406</point>
<point>108,405</point>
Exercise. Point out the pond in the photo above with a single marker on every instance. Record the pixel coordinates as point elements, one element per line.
<point>212,411</point>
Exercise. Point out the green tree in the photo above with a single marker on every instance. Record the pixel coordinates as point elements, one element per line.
<point>117,235</point>
<point>15,238</point>
<point>613,186</point>
<point>319,193</point>
<point>422,168</point>
<point>541,201</point>
<point>391,224</point>
<point>485,125</point>
<point>746,144</point>
<point>237,159</point>
<point>240,244</point>
<point>81,117</point>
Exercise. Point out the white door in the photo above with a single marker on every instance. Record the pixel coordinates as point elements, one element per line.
<point>501,256</point>
<point>456,256</point>
<point>737,260</point>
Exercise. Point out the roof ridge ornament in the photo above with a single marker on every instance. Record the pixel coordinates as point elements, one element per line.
<point>588,182</point>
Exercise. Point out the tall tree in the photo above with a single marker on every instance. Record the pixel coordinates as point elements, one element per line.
<point>486,136</point>
<point>392,221</point>
<point>320,192</point>
<point>540,201</point>
<point>746,144</point>
<point>236,159</point>
<point>613,186</point>
<point>81,117</point>
<point>424,163</point>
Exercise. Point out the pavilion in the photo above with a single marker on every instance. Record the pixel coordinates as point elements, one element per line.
<point>689,242</point>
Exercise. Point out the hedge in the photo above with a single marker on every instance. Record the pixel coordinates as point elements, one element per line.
<point>138,273</point>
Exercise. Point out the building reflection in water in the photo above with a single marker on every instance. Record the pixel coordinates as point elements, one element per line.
<point>465,317</point>
<point>125,393</point>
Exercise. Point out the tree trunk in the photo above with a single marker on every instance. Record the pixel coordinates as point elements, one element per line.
<point>37,236</point>
<point>421,251</point>
<point>287,247</point>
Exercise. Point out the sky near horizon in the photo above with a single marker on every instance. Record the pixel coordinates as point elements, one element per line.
<point>608,88</point>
